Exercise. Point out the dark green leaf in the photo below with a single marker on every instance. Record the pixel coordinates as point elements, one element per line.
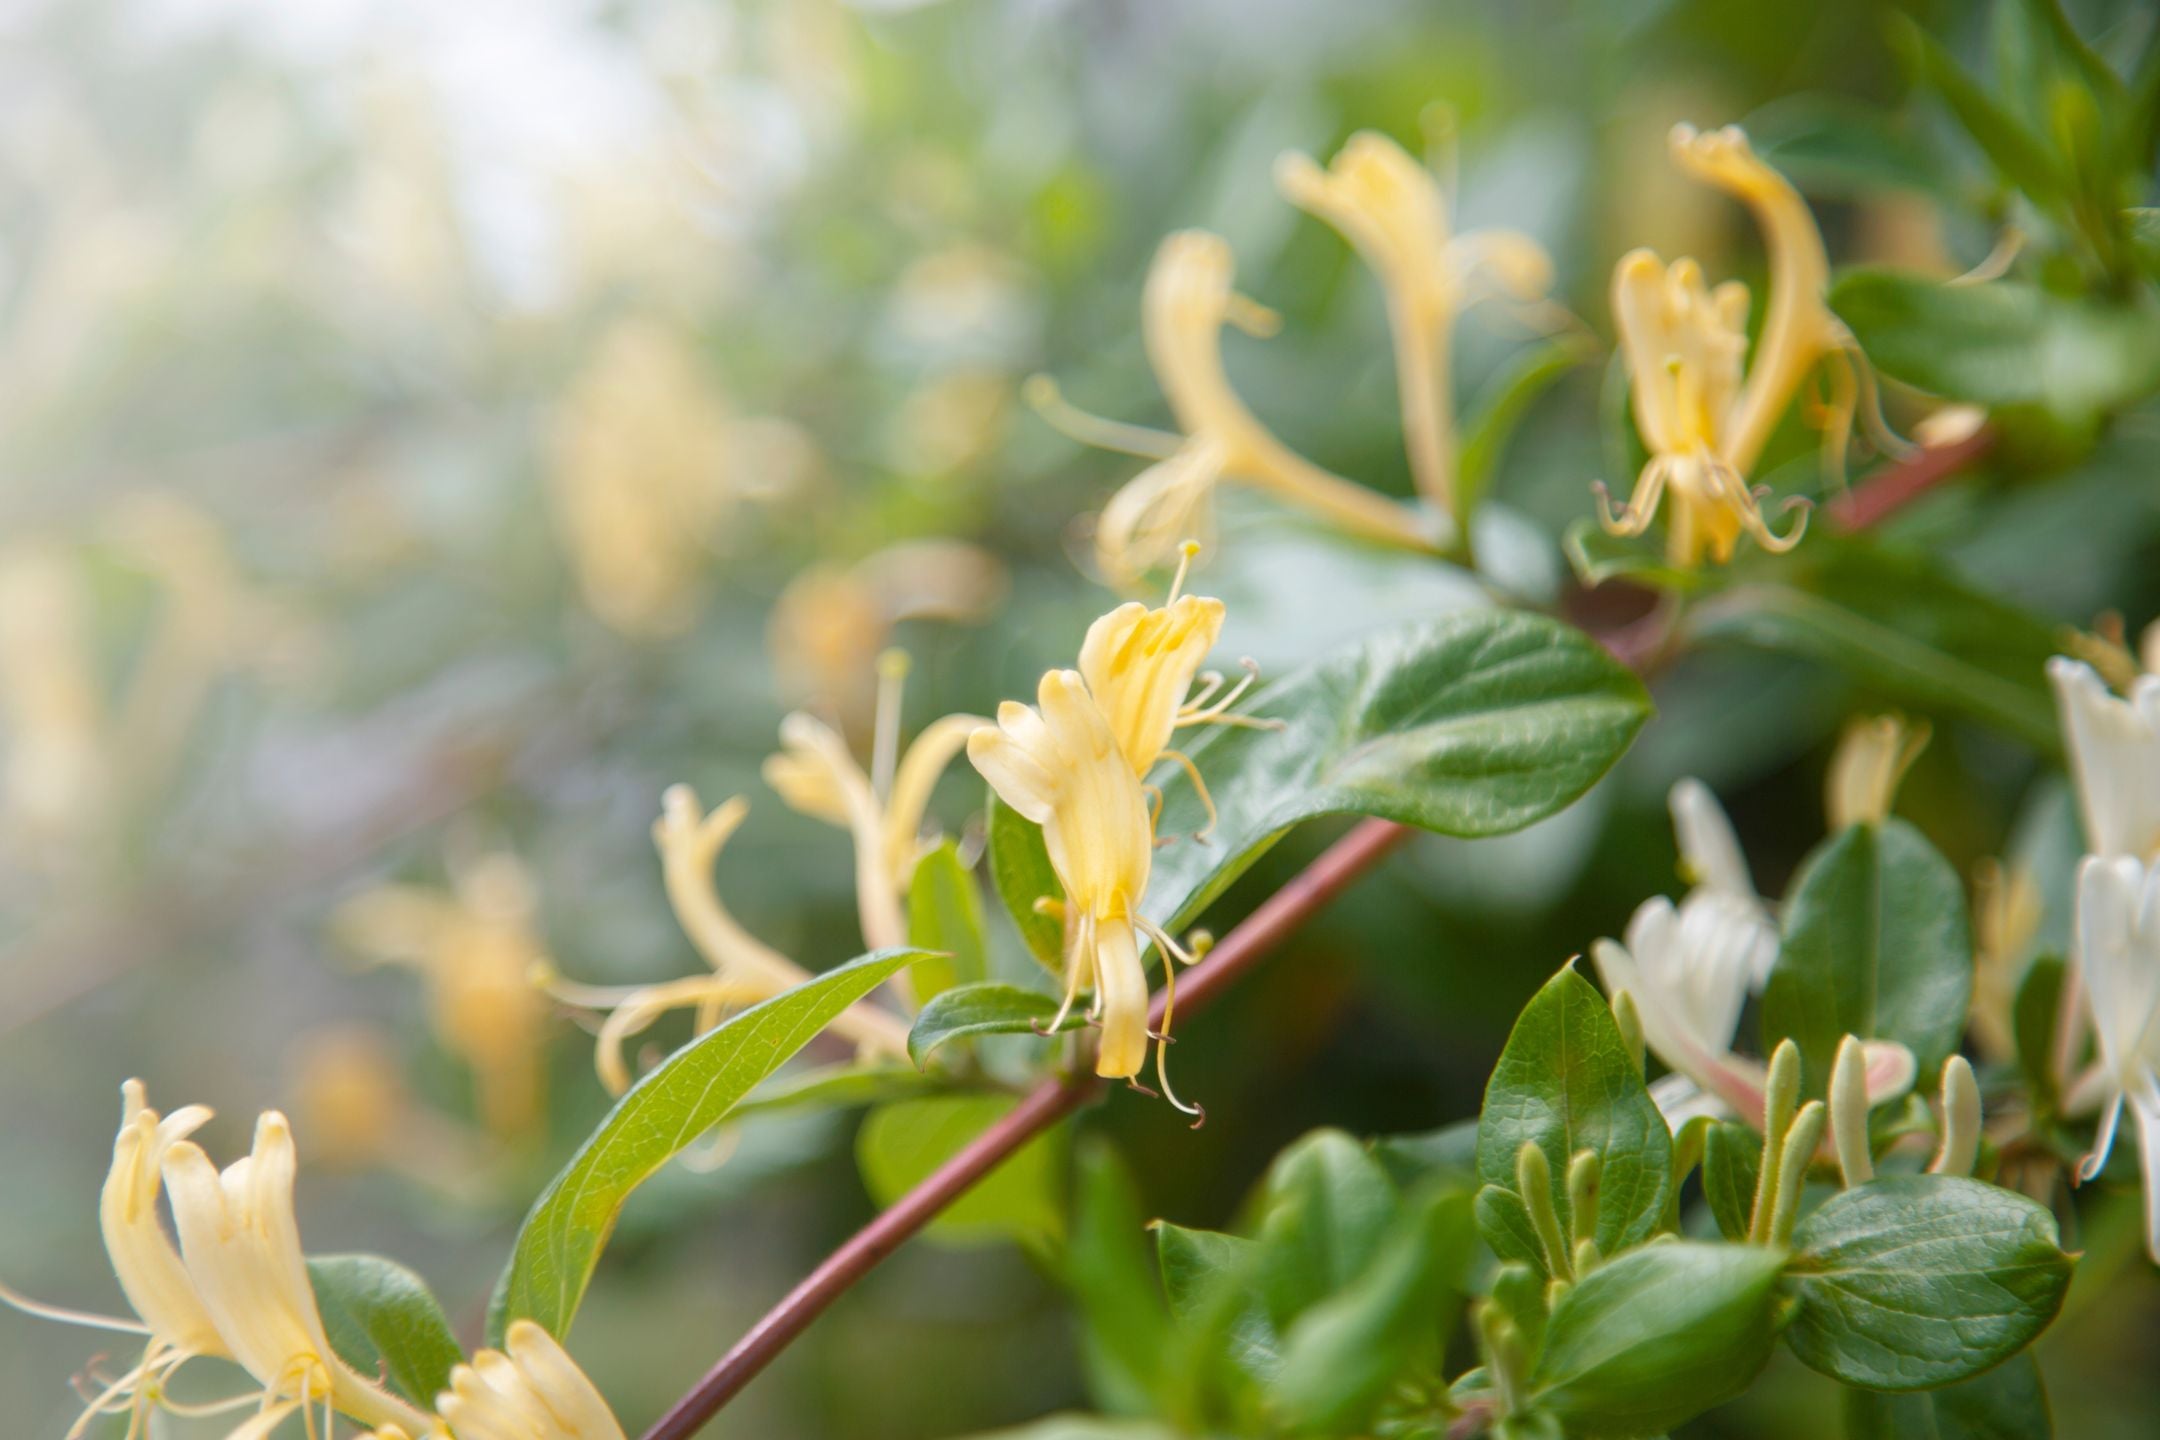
<point>1447,1156</point>
<point>1507,397</point>
<point>1660,1334</point>
<point>1020,868</point>
<point>2005,1403</point>
<point>1876,944</point>
<point>1326,1206</point>
<point>2004,343</point>
<point>945,916</point>
<point>1505,1225</point>
<point>1567,1081</point>
<point>900,1144</point>
<point>2039,1003</point>
<point>989,1008</point>
<point>383,1320</point>
<point>689,1093</point>
<point>1208,1277</point>
<point>1915,1281</point>
<point>2014,149</point>
<point>1344,1353</point>
<point>1732,1165</point>
<point>1124,1329</point>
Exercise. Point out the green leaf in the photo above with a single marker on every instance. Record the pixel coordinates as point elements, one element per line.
<point>1832,145</point>
<point>1447,1156</point>
<point>1732,1166</point>
<point>1343,1354</point>
<point>1124,1329</point>
<point>1876,944</point>
<point>989,1008</point>
<point>689,1093</point>
<point>1476,724</point>
<point>1208,1278</point>
<point>2021,157</point>
<point>1020,868</point>
<point>2004,343</point>
<point>1327,1205</point>
<point>1658,1335</point>
<point>945,915</point>
<point>835,1087</point>
<point>2039,1004</point>
<point>899,1145</point>
<point>1902,624</point>
<point>2005,1403</point>
<point>1915,1281</point>
<point>1567,1081</point>
<point>1507,397</point>
<point>383,1320</point>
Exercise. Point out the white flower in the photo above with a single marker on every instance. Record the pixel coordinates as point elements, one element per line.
<point>2114,757</point>
<point>2118,950</point>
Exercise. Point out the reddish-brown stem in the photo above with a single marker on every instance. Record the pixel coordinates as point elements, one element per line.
<point>1045,1105</point>
<point>1893,487</point>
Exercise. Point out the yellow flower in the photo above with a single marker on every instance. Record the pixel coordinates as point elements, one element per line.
<point>241,1246</point>
<point>1060,766</point>
<point>529,1390</point>
<point>1871,758</point>
<point>56,779</point>
<point>2006,919</point>
<point>1704,419</point>
<point>1391,208</point>
<point>1189,299</point>
<point>745,970</point>
<point>476,949</point>
<point>815,775</point>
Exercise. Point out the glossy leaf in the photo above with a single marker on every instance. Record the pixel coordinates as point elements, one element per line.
<point>2005,1403</point>
<point>1876,943</point>
<point>945,916</point>
<point>899,1145</point>
<point>1208,1278</point>
<point>1328,1203</point>
<point>1124,1328</point>
<point>684,1097</point>
<point>1020,870</point>
<point>836,1087</point>
<point>1915,1281</point>
<point>1658,1335</point>
<point>989,1008</point>
<point>382,1319</point>
<point>1732,1164</point>
<point>1567,1081</point>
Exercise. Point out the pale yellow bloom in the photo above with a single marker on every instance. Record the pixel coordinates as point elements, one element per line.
<point>1391,208</point>
<point>641,479</point>
<point>1704,418</point>
<point>529,1390</point>
<point>476,949</point>
<point>745,970</point>
<point>50,699</point>
<point>1190,298</point>
<point>1871,758</point>
<point>241,1248</point>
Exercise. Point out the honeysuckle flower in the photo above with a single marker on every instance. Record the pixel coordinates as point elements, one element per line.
<point>2114,745</point>
<point>1711,860</point>
<point>816,775</point>
<point>158,1288</point>
<point>1871,758</point>
<point>745,970</point>
<point>240,1244</point>
<point>2006,918</point>
<point>475,948</point>
<point>529,1390</point>
<point>2117,943</point>
<point>1390,207</point>
<point>1058,763</point>
<point>831,622</point>
<point>1190,298</point>
<point>1703,413</point>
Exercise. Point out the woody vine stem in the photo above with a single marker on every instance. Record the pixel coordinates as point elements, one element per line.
<point>1891,489</point>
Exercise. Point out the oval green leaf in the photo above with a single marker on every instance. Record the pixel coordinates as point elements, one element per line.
<point>990,1008</point>
<point>945,916</point>
<point>383,1320</point>
<point>2005,1403</point>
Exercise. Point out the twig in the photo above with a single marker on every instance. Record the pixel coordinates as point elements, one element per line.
<point>1895,486</point>
<point>1045,1105</point>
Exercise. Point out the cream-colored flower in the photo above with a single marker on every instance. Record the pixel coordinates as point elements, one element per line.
<point>2006,919</point>
<point>56,780</point>
<point>2114,746</point>
<point>1871,758</point>
<point>476,948</point>
<point>2118,955</point>
<point>529,1390</point>
<point>884,810</point>
<point>745,970</point>
<point>1058,764</point>
<point>1391,208</point>
<point>1190,298</point>
<point>1704,418</point>
<point>641,479</point>
<point>241,1247</point>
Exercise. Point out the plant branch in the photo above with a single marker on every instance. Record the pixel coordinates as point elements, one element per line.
<point>1897,485</point>
<point>1049,1102</point>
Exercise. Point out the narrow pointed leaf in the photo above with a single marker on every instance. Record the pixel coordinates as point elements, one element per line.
<point>990,1008</point>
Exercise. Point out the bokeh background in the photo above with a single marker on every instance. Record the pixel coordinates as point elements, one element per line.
<point>427,431</point>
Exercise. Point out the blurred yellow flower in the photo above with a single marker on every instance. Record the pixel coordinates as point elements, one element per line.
<point>745,970</point>
<point>2005,922</point>
<point>1189,299</point>
<point>50,700</point>
<point>241,1247</point>
<point>529,1390</point>
<point>475,948</point>
<point>1871,758</point>
<point>641,478</point>
<point>1390,207</point>
<point>1703,419</point>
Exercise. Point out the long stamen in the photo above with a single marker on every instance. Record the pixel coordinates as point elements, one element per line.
<point>1187,551</point>
<point>1073,972</point>
<point>892,667</point>
<point>1194,713</point>
<point>1207,801</point>
<point>1162,1041</point>
<point>1043,396</point>
<point>19,1301</point>
<point>1208,681</point>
